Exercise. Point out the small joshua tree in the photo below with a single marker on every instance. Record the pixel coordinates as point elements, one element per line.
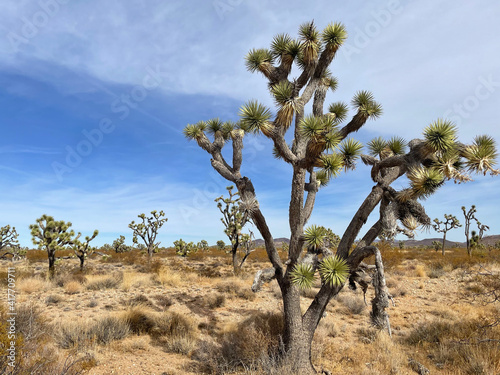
<point>247,246</point>
<point>51,235</point>
<point>450,222</point>
<point>119,246</point>
<point>9,243</point>
<point>148,230</point>
<point>183,249</point>
<point>221,245</point>
<point>234,218</point>
<point>469,216</point>
<point>202,245</point>
<point>82,249</point>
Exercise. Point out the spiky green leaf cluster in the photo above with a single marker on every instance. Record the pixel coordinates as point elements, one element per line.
<point>334,35</point>
<point>339,110</point>
<point>333,271</point>
<point>350,149</point>
<point>258,59</point>
<point>332,164</point>
<point>424,181</point>
<point>397,145</point>
<point>481,155</point>
<point>303,275</point>
<point>195,131</point>
<point>376,146</point>
<point>366,105</point>
<point>283,44</point>
<point>254,117</point>
<point>314,237</point>
<point>310,43</point>
<point>282,92</point>
<point>440,136</point>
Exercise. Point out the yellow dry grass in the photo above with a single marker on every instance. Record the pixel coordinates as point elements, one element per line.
<point>132,279</point>
<point>33,285</point>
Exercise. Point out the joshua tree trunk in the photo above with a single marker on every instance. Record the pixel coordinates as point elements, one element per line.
<point>52,262</point>
<point>82,261</point>
<point>234,252</point>
<point>444,241</point>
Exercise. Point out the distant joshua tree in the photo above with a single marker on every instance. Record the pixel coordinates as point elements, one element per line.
<point>476,238</point>
<point>82,249</point>
<point>202,245</point>
<point>9,243</point>
<point>221,245</point>
<point>51,235</point>
<point>448,224</point>
<point>183,249</point>
<point>234,218</point>
<point>147,230</point>
<point>119,245</point>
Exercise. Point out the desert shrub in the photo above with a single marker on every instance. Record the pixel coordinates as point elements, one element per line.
<point>214,300</point>
<point>98,282</point>
<point>168,277</point>
<point>175,332</point>
<point>472,345</point>
<point>140,299</point>
<point>73,287</point>
<point>53,299</point>
<point>139,319</point>
<point>33,285</point>
<point>163,301</point>
<point>265,331</point>
<point>354,305</point>
<point>81,335</point>
<point>420,270</point>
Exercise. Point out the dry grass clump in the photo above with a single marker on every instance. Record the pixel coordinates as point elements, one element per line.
<point>140,319</point>
<point>466,346</point>
<point>99,282</point>
<point>73,287</point>
<point>235,287</point>
<point>176,333</point>
<point>133,279</point>
<point>82,335</point>
<point>420,270</point>
<point>53,299</point>
<point>33,285</point>
<point>163,301</point>
<point>353,304</point>
<point>168,277</point>
<point>249,344</point>
<point>214,300</point>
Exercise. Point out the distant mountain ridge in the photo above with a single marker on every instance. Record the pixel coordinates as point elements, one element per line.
<point>487,240</point>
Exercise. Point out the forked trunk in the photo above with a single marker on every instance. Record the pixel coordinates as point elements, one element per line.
<point>234,252</point>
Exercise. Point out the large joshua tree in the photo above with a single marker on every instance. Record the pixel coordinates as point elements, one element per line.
<point>319,151</point>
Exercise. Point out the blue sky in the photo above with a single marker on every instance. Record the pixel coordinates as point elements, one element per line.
<point>94,96</point>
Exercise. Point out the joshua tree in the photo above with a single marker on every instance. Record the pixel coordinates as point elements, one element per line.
<point>234,217</point>
<point>9,243</point>
<point>247,246</point>
<point>469,216</point>
<point>82,249</point>
<point>148,230</point>
<point>451,222</point>
<point>183,248</point>
<point>320,150</point>
<point>202,245</point>
<point>51,235</point>
<point>221,245</point>
<point>119,245</point>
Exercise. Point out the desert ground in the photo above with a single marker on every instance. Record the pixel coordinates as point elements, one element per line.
<point>173,315</point>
